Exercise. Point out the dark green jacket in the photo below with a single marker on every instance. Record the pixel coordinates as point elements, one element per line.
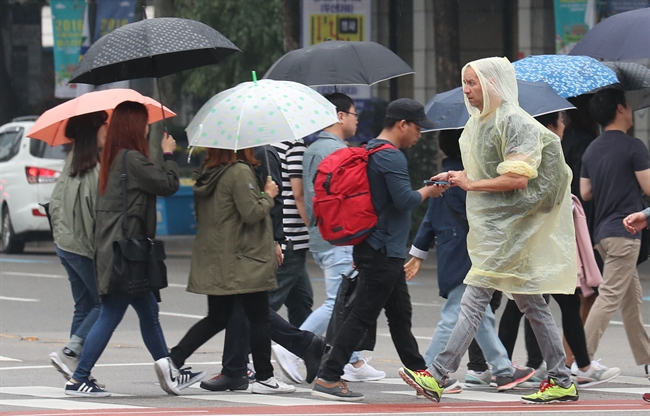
<point>234,248</point>
<point>145,181</point>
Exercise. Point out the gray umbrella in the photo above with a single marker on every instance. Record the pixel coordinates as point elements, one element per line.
<point>339,63</point>
<point>623,36</point>
<point>448,112</point>
<point>635,81</point>
<point>152,48</point>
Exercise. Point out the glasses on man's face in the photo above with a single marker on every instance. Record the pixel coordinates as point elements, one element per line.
<point>352,114</point>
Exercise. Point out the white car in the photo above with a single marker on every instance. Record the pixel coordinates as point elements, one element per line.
<point>29,169</point>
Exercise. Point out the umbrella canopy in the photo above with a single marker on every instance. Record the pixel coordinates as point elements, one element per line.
<point>50,126</point>
<point>258,113</point>
<point>152,48</point>
<point>339,63</point>
<point>635,81</point>
<point>620,37</point>
<point>447,110</point>
<point>569,76</point>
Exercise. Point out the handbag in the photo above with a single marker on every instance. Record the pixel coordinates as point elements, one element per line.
<point>138,265</point>
<point>342,307</point>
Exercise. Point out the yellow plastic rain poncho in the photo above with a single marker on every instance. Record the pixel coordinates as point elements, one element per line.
<point>520,241</point>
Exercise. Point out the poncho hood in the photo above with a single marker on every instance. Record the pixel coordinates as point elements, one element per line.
<point>498,81</point>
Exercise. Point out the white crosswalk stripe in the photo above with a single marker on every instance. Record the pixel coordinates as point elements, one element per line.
<point>44,397</point>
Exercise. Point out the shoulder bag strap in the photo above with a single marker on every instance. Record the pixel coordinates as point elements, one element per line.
<point>125,217</point>
<point>464,224</point>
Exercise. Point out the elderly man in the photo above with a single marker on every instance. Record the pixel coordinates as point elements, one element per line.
<point>521,237</point>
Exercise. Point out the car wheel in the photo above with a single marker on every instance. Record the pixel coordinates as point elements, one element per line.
<point>10,244</point>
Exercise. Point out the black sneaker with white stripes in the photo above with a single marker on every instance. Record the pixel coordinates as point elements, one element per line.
<point>84,389</point>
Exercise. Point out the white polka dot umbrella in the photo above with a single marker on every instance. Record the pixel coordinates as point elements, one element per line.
<point>258,113</point>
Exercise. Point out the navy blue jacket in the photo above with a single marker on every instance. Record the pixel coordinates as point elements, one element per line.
<point>450,235</point>
<point>392,198</point>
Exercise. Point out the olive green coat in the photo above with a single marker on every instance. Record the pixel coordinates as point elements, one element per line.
<point>234,248</point>
<point>144,182</point>
<point>72,210</point>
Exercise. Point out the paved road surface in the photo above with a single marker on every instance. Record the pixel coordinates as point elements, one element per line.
<point>35,313</point>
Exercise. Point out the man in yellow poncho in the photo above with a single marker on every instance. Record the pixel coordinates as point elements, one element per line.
<point>521,239</point>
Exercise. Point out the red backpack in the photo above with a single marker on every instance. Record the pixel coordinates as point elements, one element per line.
<point>343,207</point>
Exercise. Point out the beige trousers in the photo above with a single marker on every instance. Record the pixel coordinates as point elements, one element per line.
<point>620,289</point>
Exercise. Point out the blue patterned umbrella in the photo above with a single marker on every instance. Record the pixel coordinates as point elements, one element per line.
<point>568,75</point>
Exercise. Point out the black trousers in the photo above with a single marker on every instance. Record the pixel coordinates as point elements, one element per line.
<point>256,308</point>
<point>381,285</point>
<point>236,345</point>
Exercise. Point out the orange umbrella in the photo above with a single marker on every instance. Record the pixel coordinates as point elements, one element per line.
<point>50,126</point>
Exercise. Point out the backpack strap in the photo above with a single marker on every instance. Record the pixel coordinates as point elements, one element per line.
<point>125,202</point>
<point>382,147</point>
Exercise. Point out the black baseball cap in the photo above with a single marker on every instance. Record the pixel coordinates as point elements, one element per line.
<point>409,110</point>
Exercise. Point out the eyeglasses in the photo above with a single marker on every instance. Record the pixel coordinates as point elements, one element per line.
<point>353,114</point>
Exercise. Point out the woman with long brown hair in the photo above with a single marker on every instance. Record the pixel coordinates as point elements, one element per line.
<point>233,257</point>
<point>128,132</point>
<point>72,209</point>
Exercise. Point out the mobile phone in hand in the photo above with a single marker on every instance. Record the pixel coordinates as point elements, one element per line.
<point>430,182</point>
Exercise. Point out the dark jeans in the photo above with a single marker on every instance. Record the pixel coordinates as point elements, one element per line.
<point>574,331</point>
<point>110,315</point>
<point>381,285</point>
<point>294,287</point>
<point>477,360</point>
<point>256,307</point>
<point>81,274</point>
<point>236,345</point>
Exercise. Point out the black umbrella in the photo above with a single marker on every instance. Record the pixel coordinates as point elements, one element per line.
<point>448,112</point>
<point>620,37</point>
<point>635,81</point>
<point>339,63</point>
<point>152,48</point>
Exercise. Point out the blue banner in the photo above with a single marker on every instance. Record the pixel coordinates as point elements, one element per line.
<point>620,6</point>
<point>67,27</point>
<point>573,18</point>
<point>112,14</point>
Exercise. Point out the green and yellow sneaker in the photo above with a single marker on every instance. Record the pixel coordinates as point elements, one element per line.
<point>423,382</point>
<point>549,392</point>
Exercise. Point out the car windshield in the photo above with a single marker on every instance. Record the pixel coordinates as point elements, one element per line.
<point>39,148</point>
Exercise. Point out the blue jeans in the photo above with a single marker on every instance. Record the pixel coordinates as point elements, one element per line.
<point>334,262</point>
<point>472,308</point>
<point>110,315</point>
<point>81,274</point>
<point>294,287</point>
<point>486,335</point>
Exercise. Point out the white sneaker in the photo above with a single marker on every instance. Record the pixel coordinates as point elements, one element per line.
<point>363,373</point>
<point>271,386</point>
<point>64,363</point>
<point>167,375</point>
<point>596,374</point>
<point>288,363</point>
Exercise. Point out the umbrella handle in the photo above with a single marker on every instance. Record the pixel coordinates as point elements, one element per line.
<point>162,110</point>
<point>189,155</point>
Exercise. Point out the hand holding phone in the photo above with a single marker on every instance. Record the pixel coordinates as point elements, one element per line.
<point>430,182</point>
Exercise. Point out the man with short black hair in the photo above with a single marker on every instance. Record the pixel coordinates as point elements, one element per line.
<point>333,260</point>
<point>380,257</point>
<point>615,172</point>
